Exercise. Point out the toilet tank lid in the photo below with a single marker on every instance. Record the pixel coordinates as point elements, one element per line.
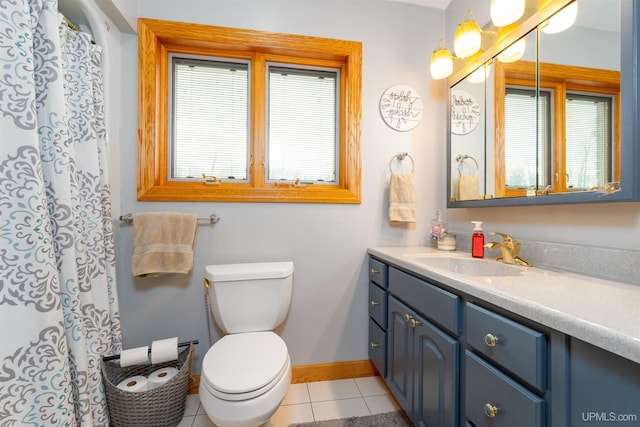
<point>248,271</point>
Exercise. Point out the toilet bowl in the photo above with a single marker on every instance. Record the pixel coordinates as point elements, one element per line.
<point>246,374</point>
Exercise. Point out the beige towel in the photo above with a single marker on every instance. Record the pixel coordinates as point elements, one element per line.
<point>402,198</point>
<point>468,188</point>
<point>163,243</point>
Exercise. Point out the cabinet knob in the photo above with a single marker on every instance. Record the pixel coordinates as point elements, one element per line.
<point>408,317</point>
<point>491,340</point>
<point>375,271</point>
<point>490,410</point>
<point>413,322</point>
<point>374,303</point>
<point>374,345</point>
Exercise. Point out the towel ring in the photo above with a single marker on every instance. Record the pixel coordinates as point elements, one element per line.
<point>460,158</point>
<point>401,157</point>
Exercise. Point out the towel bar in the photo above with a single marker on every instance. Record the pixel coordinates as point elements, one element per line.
<point>460,158</point>
<point>213,218</point>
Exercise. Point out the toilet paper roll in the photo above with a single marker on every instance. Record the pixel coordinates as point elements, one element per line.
<point>136,383</point>
<point>134,356</point>
<point>161,376</point>
<point>164,350</point>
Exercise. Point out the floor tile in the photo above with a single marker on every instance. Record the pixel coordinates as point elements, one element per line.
<point>297,393</point>
<point>371,386</point>
<point>334,409</point>
<point>291,414</point>
<point>202,421</point>
<point>186,422</point>
<point>332,390</point>
<point>191,407</point>
<point>381,404</point>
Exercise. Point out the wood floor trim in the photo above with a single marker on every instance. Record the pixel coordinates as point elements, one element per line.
<point>318,372</point>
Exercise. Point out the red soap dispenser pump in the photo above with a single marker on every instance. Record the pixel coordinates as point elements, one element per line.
<point>477,240</point>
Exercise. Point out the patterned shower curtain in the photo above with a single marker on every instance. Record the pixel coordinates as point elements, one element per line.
<point>58,302</point>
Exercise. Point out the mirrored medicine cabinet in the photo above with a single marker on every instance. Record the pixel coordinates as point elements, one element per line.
<point>557,125</point>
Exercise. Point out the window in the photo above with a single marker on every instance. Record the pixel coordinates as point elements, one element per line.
<point>248,116</point>
<point>564,135</point>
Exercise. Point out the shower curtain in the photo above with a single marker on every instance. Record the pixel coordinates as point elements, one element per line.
<point>58,302</point>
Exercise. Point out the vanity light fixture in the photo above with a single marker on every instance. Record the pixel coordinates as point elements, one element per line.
<point>505,12</point>
<point>468,36</point>
<point>562,20</point>
<point>516,50</point>
<point>441,61</point>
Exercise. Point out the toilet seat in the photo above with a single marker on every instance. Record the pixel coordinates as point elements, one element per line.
<point>243,366</point>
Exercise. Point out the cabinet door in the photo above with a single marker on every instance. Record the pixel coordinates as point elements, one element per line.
<point>399,346</point>
<point>435,391</point>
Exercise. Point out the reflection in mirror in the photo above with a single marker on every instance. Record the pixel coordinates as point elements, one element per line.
<point>468,126</point>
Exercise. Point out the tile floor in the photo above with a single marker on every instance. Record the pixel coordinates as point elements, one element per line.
<point>316,401</point>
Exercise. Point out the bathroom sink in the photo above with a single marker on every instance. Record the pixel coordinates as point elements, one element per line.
<point>469,266</point>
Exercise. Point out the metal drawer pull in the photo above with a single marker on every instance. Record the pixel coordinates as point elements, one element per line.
<point>375,271</point>
<point>490,410</point>
<point>374,303</point>
<point>374,345</point>
<point>491,340</point>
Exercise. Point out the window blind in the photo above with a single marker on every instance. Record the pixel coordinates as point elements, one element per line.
<point>526,138</point>
<point>210,125</point>
<point>588,138</point>
<point>302,140</point>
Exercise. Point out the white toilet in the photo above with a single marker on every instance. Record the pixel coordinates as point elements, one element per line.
<point>246,374</point>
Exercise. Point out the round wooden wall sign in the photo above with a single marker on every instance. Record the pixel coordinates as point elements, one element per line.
<point>465,112</point>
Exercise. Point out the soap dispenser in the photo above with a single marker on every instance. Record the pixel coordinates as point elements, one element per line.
<point>477,240</point>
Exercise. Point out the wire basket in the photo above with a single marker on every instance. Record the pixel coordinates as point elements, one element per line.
<point>159,407</point>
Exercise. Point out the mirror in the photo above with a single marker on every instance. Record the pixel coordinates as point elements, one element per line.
<point>558,127</point>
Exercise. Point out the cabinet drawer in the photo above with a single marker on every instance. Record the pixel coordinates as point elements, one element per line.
<point>436,304</point>
<point>378,347</point>
<point>378,305</point>
<point>515,347</point>
<point>378,272</point>
<point>487,390</point>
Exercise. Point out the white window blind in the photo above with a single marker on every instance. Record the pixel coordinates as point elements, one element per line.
<point>588,141</point>
<point>210,119</point>
<point>302,140</point>
<point>526,147</point>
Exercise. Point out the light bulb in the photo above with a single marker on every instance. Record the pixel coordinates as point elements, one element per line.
<point>505,12</point>
<point>468,37</point>
<point>441,62</point>
<point>515,51</point>
<point>562,20</point>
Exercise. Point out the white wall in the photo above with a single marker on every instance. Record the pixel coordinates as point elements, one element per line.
<point>328,320</point>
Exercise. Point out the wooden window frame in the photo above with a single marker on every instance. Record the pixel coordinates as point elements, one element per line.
<point>158,39</point>
<point>560,79</point>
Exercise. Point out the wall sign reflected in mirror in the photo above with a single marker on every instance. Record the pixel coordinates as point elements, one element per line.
<point>401,108</point>
<point>551,123</point>
<point>465,112</point>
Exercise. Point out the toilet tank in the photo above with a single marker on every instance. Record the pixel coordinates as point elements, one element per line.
<point>249,297</point>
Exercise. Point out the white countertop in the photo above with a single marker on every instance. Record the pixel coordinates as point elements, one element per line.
<point>603,313</point>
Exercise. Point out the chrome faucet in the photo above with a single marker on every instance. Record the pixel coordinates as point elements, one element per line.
<point>510,250</point>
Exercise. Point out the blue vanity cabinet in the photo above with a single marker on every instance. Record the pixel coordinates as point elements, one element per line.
<point>378,315</point>
<point>604,388</point>
<point>422,356</point>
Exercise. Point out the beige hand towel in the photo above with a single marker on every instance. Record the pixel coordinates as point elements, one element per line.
<point>468,188</point>
<point>402,198</point>
<point>163,243</point>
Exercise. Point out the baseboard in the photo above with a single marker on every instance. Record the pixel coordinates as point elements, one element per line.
<point>319,372</point>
